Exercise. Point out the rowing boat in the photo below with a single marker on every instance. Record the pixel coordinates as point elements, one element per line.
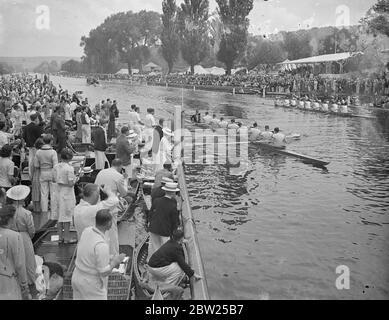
<point>286,105</point>
<point>142,276</point>
<point>282,150</point>
<point>277,149</point>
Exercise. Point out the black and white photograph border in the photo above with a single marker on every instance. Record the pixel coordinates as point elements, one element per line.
<point>194,150</point>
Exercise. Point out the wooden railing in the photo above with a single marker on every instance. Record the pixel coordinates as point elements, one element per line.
<point>199,289</point>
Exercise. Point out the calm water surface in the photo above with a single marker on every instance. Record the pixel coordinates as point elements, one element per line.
<point>279,229</point>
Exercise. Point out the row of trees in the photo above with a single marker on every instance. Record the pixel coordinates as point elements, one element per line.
<point>187,32</point>
<point>127,37</point>
<point>6,68</point>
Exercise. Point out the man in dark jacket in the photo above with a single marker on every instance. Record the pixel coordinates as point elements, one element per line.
<point>124,150</point>
<point>168,262</point>
<point>31,133</point>
<point>164,217</point>
<point>100,145</point>
<point>157,192</point>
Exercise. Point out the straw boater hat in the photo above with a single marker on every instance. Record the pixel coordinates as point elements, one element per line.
<point>19,192</point>
<point>132,134</point>
<point>171,187</point>
<point>167,180</point>
<point>86,170</point>
<point>167,131</point>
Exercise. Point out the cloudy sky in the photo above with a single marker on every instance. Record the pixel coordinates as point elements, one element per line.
<point>25,32</point>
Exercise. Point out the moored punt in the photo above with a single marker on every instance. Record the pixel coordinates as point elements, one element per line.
<point>140,271</point>
<point>321,108</point>
<point>198,289</point>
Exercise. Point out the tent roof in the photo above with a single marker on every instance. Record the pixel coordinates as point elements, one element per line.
<point>199,70</point>
<point>324,58</point>
<point>151,65</point>
<point>122,71</point>
<point>216,70</point>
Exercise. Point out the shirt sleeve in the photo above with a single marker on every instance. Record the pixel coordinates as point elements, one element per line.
<point>71,175</point>
<point>180,257</point>
<point>55,159</point>
<point>11,167</point>
<point>102,257</point>
<point>30,225</point>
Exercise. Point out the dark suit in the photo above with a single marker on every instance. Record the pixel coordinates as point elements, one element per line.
<point>164,216</point>
<point>124,150</point>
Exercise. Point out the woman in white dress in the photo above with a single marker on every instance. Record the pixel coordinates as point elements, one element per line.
<point>65,178</point>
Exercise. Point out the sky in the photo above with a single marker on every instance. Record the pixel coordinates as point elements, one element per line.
<point>55,27</point>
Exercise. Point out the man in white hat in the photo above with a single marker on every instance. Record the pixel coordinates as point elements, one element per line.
<point>158,192</point>
<point>163,217</point>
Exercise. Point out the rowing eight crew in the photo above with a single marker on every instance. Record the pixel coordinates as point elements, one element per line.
<point>314,105</point>
<point>274,137</point>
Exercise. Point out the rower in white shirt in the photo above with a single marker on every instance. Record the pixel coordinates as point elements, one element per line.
<point>214,122</point>
<point>207,118</point>
<point>334,107</point>
<point>267,134</point>
<point>223,123</point>
<point>232,125</point>
<point>279,139</point>
<point>324,106</point>
<point>254,132</point>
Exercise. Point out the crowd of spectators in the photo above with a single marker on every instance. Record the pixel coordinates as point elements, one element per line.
<point>284,82</point>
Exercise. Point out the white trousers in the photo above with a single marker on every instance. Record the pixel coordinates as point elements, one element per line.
<point>86,133</point>
<point>101,160</point>
<point>49,188</point>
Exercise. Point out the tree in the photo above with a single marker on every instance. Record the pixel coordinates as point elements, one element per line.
<point>5,68</point>
<point>169,37</point>
<point>122,36</point>
<point>193,31</point>
<point>233,14</point>
<point>135,34</point>
<point>297,44</point>
<point>377,18</point>
<point>72,66</point>
<point>265,52</point>
<point>337,41</point>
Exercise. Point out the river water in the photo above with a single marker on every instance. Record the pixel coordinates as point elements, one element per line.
<point>279,228</point>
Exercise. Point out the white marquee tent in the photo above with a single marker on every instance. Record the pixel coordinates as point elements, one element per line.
<point>199,70</point>
<point>216,71</point>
